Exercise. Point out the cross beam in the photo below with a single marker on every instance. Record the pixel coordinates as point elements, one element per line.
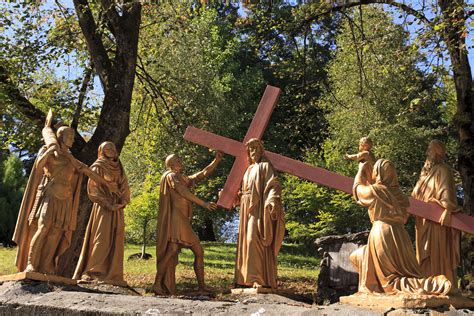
<point>431,211</point>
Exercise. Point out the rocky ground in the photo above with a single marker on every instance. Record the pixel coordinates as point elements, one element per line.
<point>40,298</point>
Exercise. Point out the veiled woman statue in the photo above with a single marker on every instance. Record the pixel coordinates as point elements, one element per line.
<point>262,226</point>
<point>387,264</point>
<point>103,248</point>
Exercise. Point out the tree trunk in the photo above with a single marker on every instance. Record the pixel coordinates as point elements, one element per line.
<point>117,76</point>
<point>145,224</point>
<point>207,231</point>
<point>454,37</point>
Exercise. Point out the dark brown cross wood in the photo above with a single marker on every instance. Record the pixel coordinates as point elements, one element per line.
<point>431,211</point>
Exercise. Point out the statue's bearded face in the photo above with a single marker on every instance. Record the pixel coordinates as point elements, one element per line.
<point>255,153</point>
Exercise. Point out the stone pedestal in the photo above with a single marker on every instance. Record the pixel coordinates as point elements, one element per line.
<point>260,290</point>
<point>337,276</point>
<point>37,277</point>
<point>384,302</point>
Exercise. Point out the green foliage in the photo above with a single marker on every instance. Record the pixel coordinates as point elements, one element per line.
<point>375,89</point>
<point>42,54</point>
<point>140,217</point>
<point>12,184</point>
<point>378,91</point>
<point>191,75</point>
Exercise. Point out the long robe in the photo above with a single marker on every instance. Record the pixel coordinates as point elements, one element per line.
<point>261,227</point>
<point>437,247</point>
<point>103,247</point>
<point>387,264</point>
<point>174,221</point>
<point>38,201</point>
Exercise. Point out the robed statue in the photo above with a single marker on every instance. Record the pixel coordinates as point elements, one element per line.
<point>48,212</point>
<point>173,227</point>
<point>262,225</point>
<point>102,252</point>
<point>387,264</point>
<point>437,244</point>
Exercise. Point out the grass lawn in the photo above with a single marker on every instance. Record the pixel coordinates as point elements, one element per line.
<point>298,267</point>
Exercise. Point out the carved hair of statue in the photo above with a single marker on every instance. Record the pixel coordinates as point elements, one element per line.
<point>63,131</point>
<point>438,149</point>
<point>366,143</point>
<point>170,159</point>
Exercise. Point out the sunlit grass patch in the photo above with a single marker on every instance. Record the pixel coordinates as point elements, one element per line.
<point>297,267</point>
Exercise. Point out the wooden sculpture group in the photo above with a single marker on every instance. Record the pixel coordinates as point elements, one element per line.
<point>387,264</point>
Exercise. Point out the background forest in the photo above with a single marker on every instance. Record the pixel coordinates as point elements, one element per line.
<point>363,71</point>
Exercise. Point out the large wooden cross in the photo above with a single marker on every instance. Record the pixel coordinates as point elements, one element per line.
<point>431,211</point>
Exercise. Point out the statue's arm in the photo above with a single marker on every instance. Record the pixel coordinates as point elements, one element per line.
<point>195,178</point>
<point>362,193</point>
<point>184,191</point>
<point>85,170</point>
<point>43,157</point>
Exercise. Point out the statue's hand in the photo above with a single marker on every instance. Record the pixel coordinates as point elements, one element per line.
<point>346,156</point>
<point>445,219</point>
<point>219,155</point>
<point>211,206</point>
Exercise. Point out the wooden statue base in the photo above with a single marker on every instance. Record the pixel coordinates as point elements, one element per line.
<point>260,290</point>
<point>380,302</point>
<point>37,277</point>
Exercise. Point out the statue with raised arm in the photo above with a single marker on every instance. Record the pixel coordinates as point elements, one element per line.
<point>103,247</point>
<point>261,222</point>
<point>48,211</point>
<point>387,264</point>
<point>173,228</point>
<point>364,156</point>
<point>437,244</point>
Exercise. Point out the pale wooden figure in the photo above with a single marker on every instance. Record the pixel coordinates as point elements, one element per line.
<point>261,226</point>
<point>387,264</point>
<point>48,212</point>
<point>366,156</point>
<point>437,244</point>
<point>173,228</point>
<point>102,252</point>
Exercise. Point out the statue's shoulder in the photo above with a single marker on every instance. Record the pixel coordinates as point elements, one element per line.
<point>444,168</point>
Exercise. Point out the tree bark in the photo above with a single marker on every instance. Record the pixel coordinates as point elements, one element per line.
<point>145,224</point>
<point>453,35</point>
<point>117,75</point>
<point>207,231</point>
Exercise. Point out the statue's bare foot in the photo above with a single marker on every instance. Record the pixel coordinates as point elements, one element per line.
<point>85,279</point>
<point>30,268</point>
<point>158,290</point>
<point>257,285</point>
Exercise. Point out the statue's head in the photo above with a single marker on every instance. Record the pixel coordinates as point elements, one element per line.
<point>255,150</point>
<point>365,144</point>
<point>436,151</point>
<point>384,173</point>
<point>108,150</point>
<point>65,135</point>
<point>173,162</point>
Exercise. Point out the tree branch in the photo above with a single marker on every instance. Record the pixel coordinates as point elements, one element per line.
<point>14,97</point>
<point>81,98</point>
<point>93,39</point>
<point>327,8</point>
<point>10,94</point>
